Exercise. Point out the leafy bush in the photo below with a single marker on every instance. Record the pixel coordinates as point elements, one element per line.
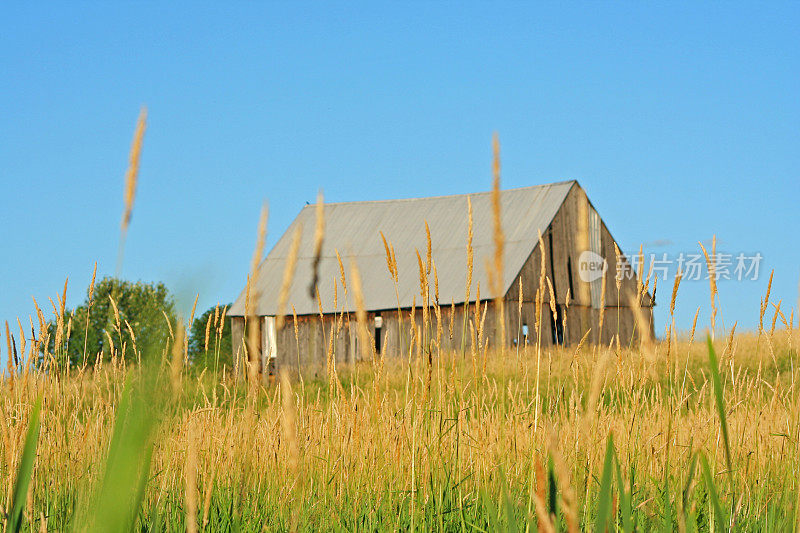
<point>131,316</point>
<point>210,339</point>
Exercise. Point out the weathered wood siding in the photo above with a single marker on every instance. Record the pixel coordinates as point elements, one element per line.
<point>568,234</point>
<point>239,340</point>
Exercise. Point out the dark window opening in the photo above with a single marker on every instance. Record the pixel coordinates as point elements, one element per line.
<point>569,277</point>
<point>378,329</point>
<point>557,325</point>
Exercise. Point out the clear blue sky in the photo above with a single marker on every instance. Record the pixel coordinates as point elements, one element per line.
<point>680,121</point>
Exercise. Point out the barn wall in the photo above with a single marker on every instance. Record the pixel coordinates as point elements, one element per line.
<point>568,234</point>
<point>306,349</point>
<point>239,339</point>
<point>306,345</point>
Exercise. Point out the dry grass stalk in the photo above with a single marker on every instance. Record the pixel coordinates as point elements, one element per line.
<point>176,365</point>
<point>435,282</point>
<point>341,272</point>
<point>675,285</point>
<point>289,431</point>
<point>775,318</point>
<point>566,312</point>
<point>335,295</point>
<point>208,331</point>
<point>541,284</point>
<point>451,322</point>
<point>551,300</point>
<point>252,325</point>
<point>133,338</point>
<point>361,313</point>
<point>424,292</point>
<point>190,477</point>
<point>711,264</point>
<point>288,275</point>
<point>209,490</point>
<point>538,317</point>
<point>131,178</point>
<point>729,344</point>
<point>428,249</point>
<point>519,319</point>
<point>640,274</point>
<point>499,246</point>
<point>643,327</point>
<point>765,302</point>
<point>390,264</point>
<point>221,323</point>
<point>319,236</point>
<point>10,356</point>
<point>671,326</point>
<point>602,308</point>
<point>688,353</point>
<point>564,480</point>
<point>63,300</point>
<point>191,322</point>
<point>544,520</point>
<point>470,254</point>
<point>468,288</point>
<point>296,338</point>
<point>22,341</point>
<point>88,312</point>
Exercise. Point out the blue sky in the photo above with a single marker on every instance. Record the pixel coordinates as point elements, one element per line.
<point>680,121</point>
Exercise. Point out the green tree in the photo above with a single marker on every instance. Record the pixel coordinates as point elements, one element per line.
<point>131,316</point>
<point>212,328</point>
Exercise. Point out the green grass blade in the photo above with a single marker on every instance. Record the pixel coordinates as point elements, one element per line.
<point>720,401</point>
<point>624,499</point>
<point>667,516</point>
<point>492,512</point>
<point>688,485</point>
<point>508,506</point>
<point>719,516</point>
<point>604,496</point>
<point>121,489</point>
<point>25,469</point>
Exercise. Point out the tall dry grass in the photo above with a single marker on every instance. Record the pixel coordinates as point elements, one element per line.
<point>661,434</point>
<point>366,456</point>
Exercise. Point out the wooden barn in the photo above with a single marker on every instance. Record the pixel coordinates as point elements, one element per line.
<point>575,242</point>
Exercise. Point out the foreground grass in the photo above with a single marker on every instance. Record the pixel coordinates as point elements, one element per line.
<point>633,438</point>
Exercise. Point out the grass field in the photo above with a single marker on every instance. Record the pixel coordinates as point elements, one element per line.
<point>681,434</point>
<point>652,437</point>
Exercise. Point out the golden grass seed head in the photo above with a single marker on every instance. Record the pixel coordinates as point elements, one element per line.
<point>675,286</point>
<point>428,249</point>
<point>131,176</point>
<point>341,271</point>
<point>288,275</point>
<point>194,309</point>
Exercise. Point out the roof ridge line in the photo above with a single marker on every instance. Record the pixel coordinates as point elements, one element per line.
<point>480,193</point>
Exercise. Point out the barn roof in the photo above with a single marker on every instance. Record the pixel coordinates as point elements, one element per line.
<point>353,229</point>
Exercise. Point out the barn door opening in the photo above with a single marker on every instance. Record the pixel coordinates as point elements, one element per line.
<point>378,331</point>
<point>269,342</point>
<point>557,321</point>
<point>557,329</point>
